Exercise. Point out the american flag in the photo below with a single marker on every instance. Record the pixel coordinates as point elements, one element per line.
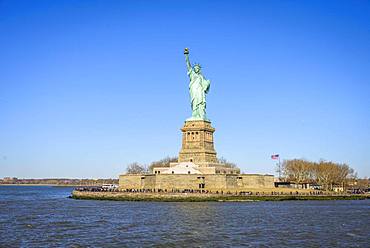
<point>275,156</point>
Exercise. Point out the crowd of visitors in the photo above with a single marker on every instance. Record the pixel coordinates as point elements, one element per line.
<point>202,191</point>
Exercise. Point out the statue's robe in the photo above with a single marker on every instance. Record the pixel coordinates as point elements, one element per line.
<point>198,88</point>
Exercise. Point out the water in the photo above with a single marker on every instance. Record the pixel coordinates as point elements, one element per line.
<point>43,216</point>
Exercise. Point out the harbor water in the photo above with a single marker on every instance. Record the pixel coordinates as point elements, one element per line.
<point>44,216</point>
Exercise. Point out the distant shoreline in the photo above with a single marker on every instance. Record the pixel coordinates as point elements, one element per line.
<point>183,197</point>
<point>38,184</point>
<point>73,182</point>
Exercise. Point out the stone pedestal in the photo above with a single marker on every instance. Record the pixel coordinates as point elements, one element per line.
<point>197,143</point>
<point>197,154</point>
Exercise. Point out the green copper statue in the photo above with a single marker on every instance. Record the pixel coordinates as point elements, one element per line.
<point>198,87</point>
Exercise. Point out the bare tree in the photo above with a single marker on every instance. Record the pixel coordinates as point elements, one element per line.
<point>136,168</point>
<point>227,163</point>
<point>164,162</point>
<point>325,173</point>
<point>342,174</point>
<point>298,170</point>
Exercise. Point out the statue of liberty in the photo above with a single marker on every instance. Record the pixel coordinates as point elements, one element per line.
<point>198,87</point>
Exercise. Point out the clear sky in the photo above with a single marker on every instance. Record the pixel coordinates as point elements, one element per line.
<point>87,87</point>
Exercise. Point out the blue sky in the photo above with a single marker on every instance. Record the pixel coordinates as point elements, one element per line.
<point>87,87</point>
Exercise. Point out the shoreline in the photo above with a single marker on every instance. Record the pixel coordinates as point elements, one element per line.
<point>186,197</point>
<point>54,185</point>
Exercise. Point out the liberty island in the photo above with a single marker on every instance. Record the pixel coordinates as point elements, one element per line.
<point>198,169</point>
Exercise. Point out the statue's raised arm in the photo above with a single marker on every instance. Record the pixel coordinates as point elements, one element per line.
<point>188,64</point>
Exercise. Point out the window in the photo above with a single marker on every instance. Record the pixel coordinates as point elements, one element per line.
<point>191,160</point>
<point>159,172</point>
<point>202,185</point>
<point>188,172</point>
<point>173,172</point>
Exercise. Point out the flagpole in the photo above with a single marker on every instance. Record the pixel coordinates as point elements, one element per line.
<point>274,157</point>
<point>279,169</point>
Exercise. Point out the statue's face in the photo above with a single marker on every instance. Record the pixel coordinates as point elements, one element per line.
<point>196,69</point>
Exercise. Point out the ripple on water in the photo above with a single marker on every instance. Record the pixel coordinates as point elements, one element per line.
<point>45,217</point>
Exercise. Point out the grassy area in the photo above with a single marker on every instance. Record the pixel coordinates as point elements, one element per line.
<point>204,197</point>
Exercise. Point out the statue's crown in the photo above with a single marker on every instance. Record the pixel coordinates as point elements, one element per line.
<point>197,64</point>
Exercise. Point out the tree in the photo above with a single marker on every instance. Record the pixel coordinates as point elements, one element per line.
<point>136,168</point>
<point>324,173</point>
<point>164,162</point>
<point>298,170</point>
<point>330,173</point>
<point>227,163</point>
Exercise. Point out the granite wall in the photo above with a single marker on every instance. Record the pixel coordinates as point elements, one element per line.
<point>215,182</point>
